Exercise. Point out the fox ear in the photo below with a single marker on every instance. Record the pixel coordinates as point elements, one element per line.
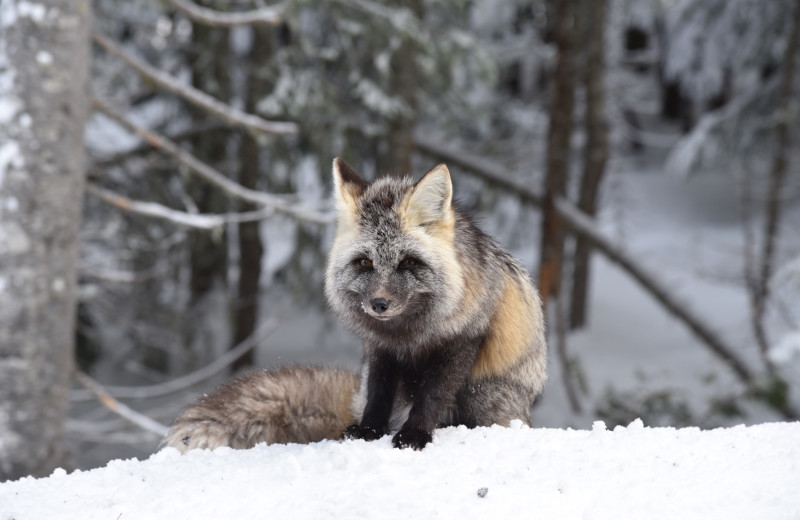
<point>431,198</point>
<point>347,185</point>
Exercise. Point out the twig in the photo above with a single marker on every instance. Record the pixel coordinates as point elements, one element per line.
<point>230,115</point>
<point>120,409</point>
<point>184,382</point>
<point>209,173</point>
<point>272,15</point>
<point>155,210</point>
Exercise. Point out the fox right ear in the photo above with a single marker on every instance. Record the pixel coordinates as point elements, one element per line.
<point>347,185</point>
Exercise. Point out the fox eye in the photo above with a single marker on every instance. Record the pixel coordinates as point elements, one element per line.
<point>408,263</point>
<point>364,262</point>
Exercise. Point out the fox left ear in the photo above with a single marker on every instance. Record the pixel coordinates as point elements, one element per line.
<point>431,199</point>
<point>347,185</point>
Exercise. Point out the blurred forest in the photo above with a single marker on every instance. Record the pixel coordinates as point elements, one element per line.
<point>639,156</point>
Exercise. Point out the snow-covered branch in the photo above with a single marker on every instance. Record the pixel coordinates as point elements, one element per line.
<point>272,15</point>
<point>120,409</point>
<point>104,162</point>
<point>184,382</point>
<point>155,210</point>
<point>230,115</point>
<point>210,174</point>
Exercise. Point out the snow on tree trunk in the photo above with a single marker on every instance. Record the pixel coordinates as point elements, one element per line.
<point>44,53</point>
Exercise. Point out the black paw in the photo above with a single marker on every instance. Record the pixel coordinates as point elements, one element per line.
<point>366,433</point>
<point>412,438</point>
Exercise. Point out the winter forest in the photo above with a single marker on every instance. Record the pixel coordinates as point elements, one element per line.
<point>165,209</point>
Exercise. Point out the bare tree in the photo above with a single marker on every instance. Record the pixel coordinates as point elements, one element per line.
<point>556,175</point>
<point>758,283</point>
<point>596,150</point>
<point>44,56</point>
<point>251,248</point>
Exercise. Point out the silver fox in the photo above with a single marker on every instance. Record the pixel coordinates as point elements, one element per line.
<point>452,328</point>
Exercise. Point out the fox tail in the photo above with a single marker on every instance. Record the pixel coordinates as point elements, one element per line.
<point>295,404</point>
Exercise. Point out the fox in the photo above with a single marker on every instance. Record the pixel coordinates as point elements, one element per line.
<point>452,329</point>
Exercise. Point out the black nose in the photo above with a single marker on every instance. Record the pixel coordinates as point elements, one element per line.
<point>379,305</point>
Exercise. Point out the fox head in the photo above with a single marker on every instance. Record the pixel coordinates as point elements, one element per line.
<point>393,262</point>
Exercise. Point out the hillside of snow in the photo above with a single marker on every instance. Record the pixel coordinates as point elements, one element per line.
<point>633,472</point>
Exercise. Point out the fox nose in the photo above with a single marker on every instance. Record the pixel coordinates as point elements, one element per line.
<point>379,305</point>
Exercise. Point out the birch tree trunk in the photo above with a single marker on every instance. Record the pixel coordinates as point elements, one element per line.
<point>44,54</point>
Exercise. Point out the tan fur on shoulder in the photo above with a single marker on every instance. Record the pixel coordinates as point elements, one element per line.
<point>511,332</point>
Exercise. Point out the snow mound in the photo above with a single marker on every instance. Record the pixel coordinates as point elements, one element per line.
<point>633,472</point>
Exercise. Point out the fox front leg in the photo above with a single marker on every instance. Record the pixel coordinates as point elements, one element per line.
<point>381,388</point>
<point>445,371</point>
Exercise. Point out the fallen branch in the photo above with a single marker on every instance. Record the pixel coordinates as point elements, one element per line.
<point>230,115</point>
<point>272,15</point>
<point>159,211</point>
<point>209,173</point>
<point>124,411</point>
<point>577,222</point>
<point>191,379</point>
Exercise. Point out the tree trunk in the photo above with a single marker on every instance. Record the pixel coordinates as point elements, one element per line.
<point>759,293</point>
<point>251,248</point>
<point>556,176</point>
<point>208,251</point>
<point>44,56</point>
<point>209,258</point>
<point>558,148</point>
<point>399,146</point>
<point>596,152</point>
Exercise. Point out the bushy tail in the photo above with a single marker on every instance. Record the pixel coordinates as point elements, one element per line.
<point>294,404</point>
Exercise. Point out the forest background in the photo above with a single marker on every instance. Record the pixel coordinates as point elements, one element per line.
<point>164,209</point>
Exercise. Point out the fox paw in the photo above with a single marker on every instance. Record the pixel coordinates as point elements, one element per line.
<point>414,439</point>
<point>366,433</point>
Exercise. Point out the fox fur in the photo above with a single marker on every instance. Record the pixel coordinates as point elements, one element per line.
<point>452,328</point>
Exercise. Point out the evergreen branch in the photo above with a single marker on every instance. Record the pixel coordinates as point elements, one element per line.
<point>230,115</point>
<point>272,15</point>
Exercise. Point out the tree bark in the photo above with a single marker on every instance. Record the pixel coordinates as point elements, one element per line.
<point>558,148</point>
<point>208,252</point>
<point>251,249</point>
<point>399,147</point>
<point>44,56</point>
<point>759,290</point>
<point>595,153</point>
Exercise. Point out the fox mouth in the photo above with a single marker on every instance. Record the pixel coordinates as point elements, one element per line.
<point>386,315</point>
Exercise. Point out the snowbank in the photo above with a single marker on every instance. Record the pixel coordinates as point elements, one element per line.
<point>633,472</point>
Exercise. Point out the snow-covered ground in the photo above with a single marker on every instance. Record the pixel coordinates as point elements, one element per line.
<point>517,472</point>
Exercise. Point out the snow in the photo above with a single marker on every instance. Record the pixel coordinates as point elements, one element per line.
<point>785,350</point>
<point>739,472</point>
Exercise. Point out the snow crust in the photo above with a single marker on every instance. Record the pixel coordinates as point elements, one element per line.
<point>633,472</point>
